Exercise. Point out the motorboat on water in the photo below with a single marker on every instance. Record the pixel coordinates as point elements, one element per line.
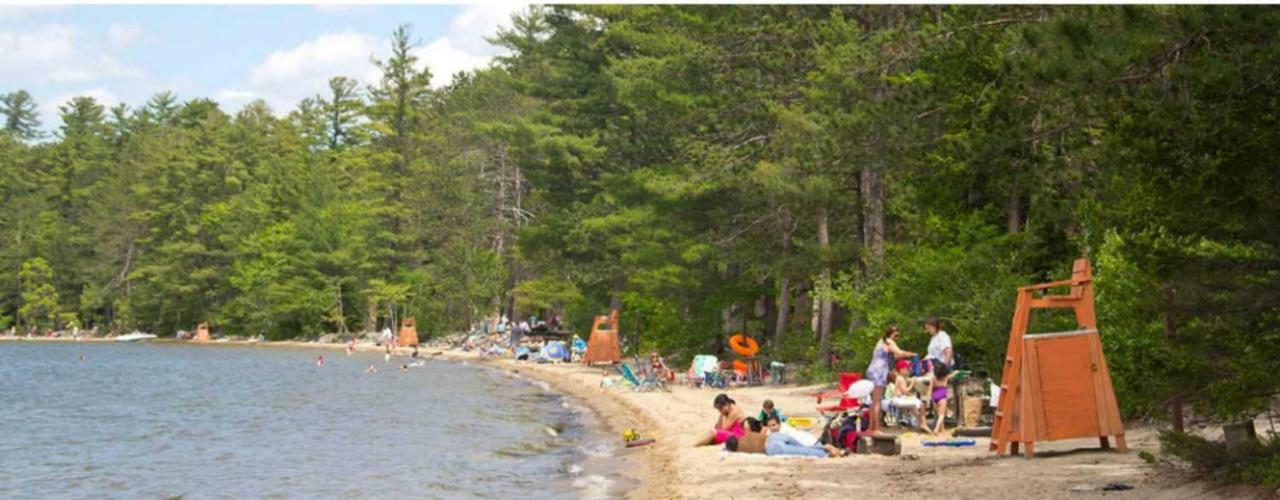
<point>135,337</point>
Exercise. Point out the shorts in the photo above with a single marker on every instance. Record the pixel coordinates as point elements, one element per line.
<point>939,394</point>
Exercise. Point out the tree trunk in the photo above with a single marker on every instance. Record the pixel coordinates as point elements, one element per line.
<point>770,317</point>
<point>1170,330</point>
<point>1016,213</point>
<point>371,316</point>
<point>873,196</point>
<point>824,308</point>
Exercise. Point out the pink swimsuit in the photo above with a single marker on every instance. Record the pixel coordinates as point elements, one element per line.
<point>736,430</point>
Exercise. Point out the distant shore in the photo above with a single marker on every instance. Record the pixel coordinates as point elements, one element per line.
<point>673,468</point>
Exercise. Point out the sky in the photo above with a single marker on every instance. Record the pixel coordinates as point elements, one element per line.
<point>230,53</point>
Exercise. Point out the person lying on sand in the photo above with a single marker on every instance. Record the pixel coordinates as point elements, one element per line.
<point>771,441</point>
<point>728,424</point>
<point>781,443</point>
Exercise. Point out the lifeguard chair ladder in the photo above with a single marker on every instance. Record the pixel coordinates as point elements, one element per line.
<point>1056,385</point>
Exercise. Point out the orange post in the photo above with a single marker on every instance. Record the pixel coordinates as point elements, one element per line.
<point>603,346</point>
<point>1056,385</point>
<point>408,334</point>
<point>202,332</point>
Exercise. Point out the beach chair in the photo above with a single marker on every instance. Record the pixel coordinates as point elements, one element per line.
<point>835,413</point>
<point>630,377</point>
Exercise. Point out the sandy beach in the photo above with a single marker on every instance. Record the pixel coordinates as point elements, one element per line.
<point>673,468</point>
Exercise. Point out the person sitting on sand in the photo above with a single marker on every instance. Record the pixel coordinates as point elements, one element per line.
<point>371,369</point>
<point>768,410</point>
<point>938,393</point>
<point>659,367</point>
<point>728,424</point>
<point>900,396</point>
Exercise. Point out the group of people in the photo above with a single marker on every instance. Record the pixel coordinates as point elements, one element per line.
<point>765,433</point>
<point>387,355</point>
<point>891,372</point>
<point>895,391</point>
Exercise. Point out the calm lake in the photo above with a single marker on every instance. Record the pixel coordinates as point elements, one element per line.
<point>165,420</point>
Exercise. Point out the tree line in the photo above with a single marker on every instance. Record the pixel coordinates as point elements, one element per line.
<point>808,174</point>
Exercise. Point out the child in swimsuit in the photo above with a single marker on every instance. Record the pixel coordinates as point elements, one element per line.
<point>938,393</point>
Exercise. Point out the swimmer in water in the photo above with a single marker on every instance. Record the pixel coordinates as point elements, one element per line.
<point>320,360</point>
<point>404,367</point>
<point>371,369</point>
<point>81,357</point>
<point>351,347</point>
<point>415,352</point>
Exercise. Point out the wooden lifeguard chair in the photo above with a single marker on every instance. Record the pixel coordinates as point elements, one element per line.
<point>408,334</point>
<point>202,332</point>
<point>1056,385</point>
<point>602,345</point>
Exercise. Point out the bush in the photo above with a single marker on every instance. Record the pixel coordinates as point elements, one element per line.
<point>1253,463</point>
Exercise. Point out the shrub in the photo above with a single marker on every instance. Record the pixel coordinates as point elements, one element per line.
<point>1252,463</point>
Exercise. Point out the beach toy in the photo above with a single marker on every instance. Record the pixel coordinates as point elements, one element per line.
<point>800,422</point>
<point>740,367</point>
<point>640,442</point>
<point>630,435</point>
<point>955,443</point>
<point>860,389</point>
<point>743,345</point>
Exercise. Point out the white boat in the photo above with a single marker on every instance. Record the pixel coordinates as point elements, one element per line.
<point>135,337</point>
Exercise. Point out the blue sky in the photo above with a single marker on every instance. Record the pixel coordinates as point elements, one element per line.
<point>231,53</point>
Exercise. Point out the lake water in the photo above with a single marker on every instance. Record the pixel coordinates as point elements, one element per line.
<point>165,420</point>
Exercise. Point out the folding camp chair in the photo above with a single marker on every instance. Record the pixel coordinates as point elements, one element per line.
<point>835,413</point>
<point>629,375</point>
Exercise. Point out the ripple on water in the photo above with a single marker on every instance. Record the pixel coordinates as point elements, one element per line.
<point>224,421</point>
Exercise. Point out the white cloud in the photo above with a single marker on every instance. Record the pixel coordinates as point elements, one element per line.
<point>289,75</point>
<point>54,53</point>
<point>122,34</point>
<point>445,59</point>
<point>9,12</point>
<point>477,21</point>
<point>327,54</point>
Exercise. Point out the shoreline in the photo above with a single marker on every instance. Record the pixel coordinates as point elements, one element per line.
<point>673,468</point>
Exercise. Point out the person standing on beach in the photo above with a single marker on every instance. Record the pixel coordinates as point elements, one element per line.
<point>351,347</point>
<point>939,345</point>
<point>882,361</point>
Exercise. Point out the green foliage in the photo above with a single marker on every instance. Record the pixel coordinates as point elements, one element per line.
<point>706,169</point>
<point>1257,462</point>
<point>39,296</point>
